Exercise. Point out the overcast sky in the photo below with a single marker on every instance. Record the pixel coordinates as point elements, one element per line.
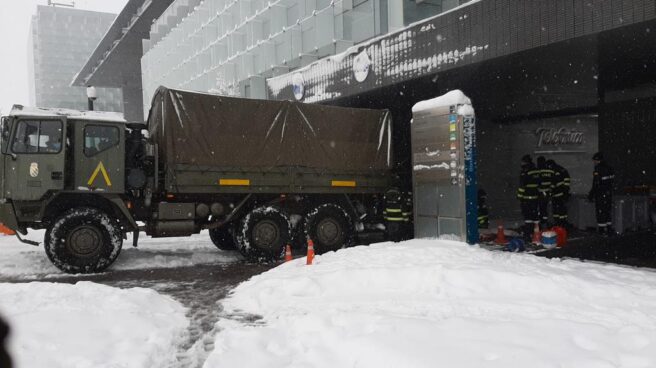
<point>14,25</point>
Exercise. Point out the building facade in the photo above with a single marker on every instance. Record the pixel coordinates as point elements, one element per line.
<point>231,47</point>
<point>60,41</point>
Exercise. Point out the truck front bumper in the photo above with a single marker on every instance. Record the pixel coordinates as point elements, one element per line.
<point>8,216</point>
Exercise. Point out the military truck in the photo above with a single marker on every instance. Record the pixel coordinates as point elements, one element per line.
<point>257,174</point>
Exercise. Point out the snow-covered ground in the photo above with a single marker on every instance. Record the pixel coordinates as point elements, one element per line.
<point>91,325</point>
<point>22,260</point>
<point>439,303</point>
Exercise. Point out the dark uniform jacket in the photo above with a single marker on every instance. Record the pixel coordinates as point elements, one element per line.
<point>529,181</point>
<point>561,182</point>
<point>546,181</point>
<point>393,205</point>
<point>602,181</point>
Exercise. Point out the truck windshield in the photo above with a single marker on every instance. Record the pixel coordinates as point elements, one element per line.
<point>5,130</point>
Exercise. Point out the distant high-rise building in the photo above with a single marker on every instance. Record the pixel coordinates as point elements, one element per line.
<point>60,41</point>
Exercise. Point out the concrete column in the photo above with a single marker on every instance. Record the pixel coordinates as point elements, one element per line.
<point>132,104</point>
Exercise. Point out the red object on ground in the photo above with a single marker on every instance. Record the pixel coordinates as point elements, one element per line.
<point>7,231</point>
<point>501,236</point>
<point>288,253</point>
<point>536,234</point>
<point>561,235</point>
<point>310,252</point>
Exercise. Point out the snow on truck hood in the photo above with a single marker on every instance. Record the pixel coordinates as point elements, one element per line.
<point>438,303</point>
<point>117,117</point>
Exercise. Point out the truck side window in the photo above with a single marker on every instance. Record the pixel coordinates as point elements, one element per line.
<point>99,138</point>
<point>38,136</point>
<point>6,130</point>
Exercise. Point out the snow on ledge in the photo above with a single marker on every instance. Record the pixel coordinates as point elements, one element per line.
<point>455,97</point>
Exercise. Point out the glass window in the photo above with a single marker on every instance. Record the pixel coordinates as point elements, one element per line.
<point>99,138</point>
<point>4,134</point>
<point>38,136</point>
<point>414,11</point>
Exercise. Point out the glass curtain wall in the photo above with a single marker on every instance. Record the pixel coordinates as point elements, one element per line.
<point>220,45</point>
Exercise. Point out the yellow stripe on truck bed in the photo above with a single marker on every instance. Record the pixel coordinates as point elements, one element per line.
<point>236,182</point>
<point>343,183</point>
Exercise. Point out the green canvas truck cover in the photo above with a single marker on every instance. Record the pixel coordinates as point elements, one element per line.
<point>200,129</point>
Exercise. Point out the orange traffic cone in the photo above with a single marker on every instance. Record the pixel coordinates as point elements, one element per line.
<point>288,253</point>
<point>536,234</point>
<point>310,252</point>
<point>5,230</point>
<point>501,235</point>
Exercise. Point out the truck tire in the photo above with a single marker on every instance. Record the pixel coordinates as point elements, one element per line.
<point>329,227</point>
<point>223,238</point>
<point>264,233</point>
<point>83,240</point>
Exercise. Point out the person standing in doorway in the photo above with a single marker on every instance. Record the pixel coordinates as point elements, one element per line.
<point>560,193</point>
<point>602,193</point>
<point>527,193</point>
<point>545,187</point>
<point>483,211</point>
<point>393,214</point>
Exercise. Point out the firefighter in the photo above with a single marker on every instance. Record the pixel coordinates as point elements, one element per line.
<point>545,188</point>
<point>528,195</point>
<point>407,216</point>
<point>483,212</point>
<point>393,214</point>
<point>602,193</point>
<point>560,193</point>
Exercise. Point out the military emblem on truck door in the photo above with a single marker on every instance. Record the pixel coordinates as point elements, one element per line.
<point>34,169</point>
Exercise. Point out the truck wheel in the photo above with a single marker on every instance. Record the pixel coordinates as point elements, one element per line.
<point>329,227</point>
<point>83,240</point>
<point>264,233</point>
<point>222,237</point>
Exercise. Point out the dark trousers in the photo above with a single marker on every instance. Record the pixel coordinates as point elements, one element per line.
<point>531,216</point>
<point>394,231</point>
<point>559,206</point>
<point>543,208</point>
<point>603,208</point>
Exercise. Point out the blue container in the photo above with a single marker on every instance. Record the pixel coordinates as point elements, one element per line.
<point>516,245</point>
<point>548,239</point>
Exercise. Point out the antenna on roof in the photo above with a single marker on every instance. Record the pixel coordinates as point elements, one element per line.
<point>66,3</point>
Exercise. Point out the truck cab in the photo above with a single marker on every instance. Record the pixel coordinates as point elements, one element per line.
<point>49,157</point>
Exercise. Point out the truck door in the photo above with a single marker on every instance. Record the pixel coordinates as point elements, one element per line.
<point>37,158</point>
<point>100,162</point>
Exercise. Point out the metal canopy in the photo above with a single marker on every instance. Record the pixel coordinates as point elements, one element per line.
<point>116,62</point>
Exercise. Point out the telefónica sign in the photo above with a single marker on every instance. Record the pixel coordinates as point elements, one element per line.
<point>560,136</point>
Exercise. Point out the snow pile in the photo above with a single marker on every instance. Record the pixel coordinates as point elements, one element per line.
<point>439,303</point>
<point>455,97</point>
<point>90,325</point>
<point>22,260</point>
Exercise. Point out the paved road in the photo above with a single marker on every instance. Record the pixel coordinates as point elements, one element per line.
<point>199,288</point>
